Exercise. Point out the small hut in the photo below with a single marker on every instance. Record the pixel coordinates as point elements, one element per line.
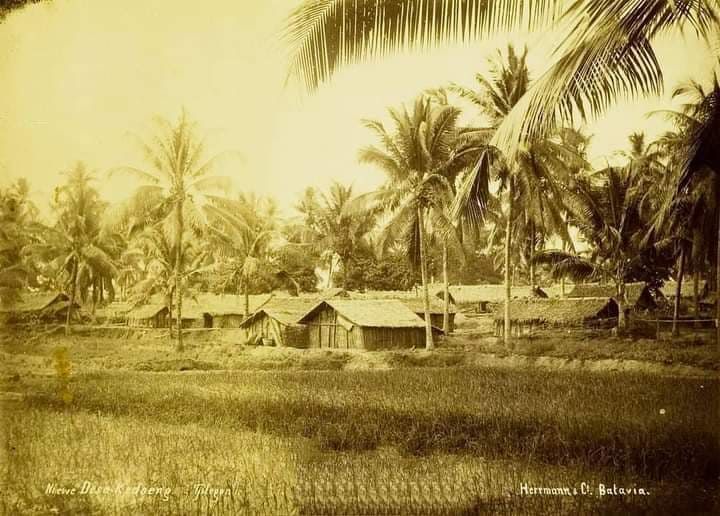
<point>207,310</point>
<point>526,315</point>
<point>113,313</point>
<point>276,323</point>
<point>481,298</point>
<point>152,315</point>
<point>39,306</point>
<point>638,295</point>
<point>363,324</point>
<point>437,311</point>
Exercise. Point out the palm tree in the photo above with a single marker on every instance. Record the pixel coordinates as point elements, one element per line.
<point>418,157</point>
<point>698,124</point>
<point>528,177</point>
<point>604,53</point>
<point>607,207</point>
<point>18,229</point>
<point>177,185</point>
<point>334,234</point>
<point>242,235</point>
<point>75,245</point>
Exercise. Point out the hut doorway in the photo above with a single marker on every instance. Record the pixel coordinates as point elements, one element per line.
<point>207,321</point>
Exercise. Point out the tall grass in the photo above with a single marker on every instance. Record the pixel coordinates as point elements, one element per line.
<point>655,427</point>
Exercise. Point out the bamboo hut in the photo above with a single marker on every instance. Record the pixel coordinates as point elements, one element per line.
<point>526,315</point>
<point>207,310</point>
<point>113,313</point>
<point>39,306</point>
<point>437,311</point>
<point>481,298</point>
<point>276,323</point>
<point>638,295</point>
<point>368,324</point>
<point>151,315</point>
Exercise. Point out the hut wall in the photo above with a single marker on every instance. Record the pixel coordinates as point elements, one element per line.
<point>227,321</point>
<point>393,338</point>
<point>325,331</point>
<point>296,336</point>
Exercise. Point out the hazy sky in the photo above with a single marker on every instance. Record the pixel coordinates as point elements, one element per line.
<point>77,78</point>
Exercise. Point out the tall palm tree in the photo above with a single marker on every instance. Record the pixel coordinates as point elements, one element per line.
<point>418,157</point>
<point>18,229</point>
<point>177,184</point>
<point>698,123</point>
<point>242,234</point>
<point>607,207</point>
<point>528,177</point>
<point>75,244</point>
<point>603,50</point>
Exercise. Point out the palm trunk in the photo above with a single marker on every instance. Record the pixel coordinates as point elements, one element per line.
<point>169,303</point>
<point>678,292</point>
<point>73,288</point>
<point>178,270</point>
<point>696,293</point>
<point>622,321</point>
<point>246,293</point>
<point>508,230</point>
<point>717,282</point>
<point>532,258</point>
<point>446,292</point>
<point>330,273</point>
<point>429,344</point>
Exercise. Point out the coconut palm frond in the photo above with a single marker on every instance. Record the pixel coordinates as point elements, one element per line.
<point>566,265</point>
<point>324,35</point>
<point>473,194</point>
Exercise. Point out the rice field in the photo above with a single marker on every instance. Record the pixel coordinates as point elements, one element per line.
<point>406,440</point>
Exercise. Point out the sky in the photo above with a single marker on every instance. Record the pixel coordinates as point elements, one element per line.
<point>84,80</point>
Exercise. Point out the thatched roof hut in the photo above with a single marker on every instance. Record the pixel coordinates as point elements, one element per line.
<point>437,311</point>
<point>638,294</point>
<point>568,312</point>
<point>277,322</point>
<point>151,315</point>
<point>363,324</point>
<point>39,305</point>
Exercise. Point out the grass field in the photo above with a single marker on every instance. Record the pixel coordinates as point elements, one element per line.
<point>310,438</point>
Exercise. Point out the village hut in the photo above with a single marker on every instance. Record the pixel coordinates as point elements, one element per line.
<point>528,314</point>
<point>638,295</point>
<point>276,322</point>
<point>41,306</point>
<point>207,310</point>
<point>151,315</point>
<point>113,313</point>
<point>386,294</point>
<point>437,311</point>
<point>363,324</point>
<point>481,298</point>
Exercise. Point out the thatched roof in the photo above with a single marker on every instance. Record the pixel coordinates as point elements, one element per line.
<point>284,310</point>
<point>35,302</point>
<point>146,311</point>
<point>114,309</point>
<point>566,310</point>
<point>374,313</point>
<point>687,290</point>
<point>633,291</point>
<point>482,293</point>
<point>330,293</point>
<point>386,294</point>
<point>418,307</point>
